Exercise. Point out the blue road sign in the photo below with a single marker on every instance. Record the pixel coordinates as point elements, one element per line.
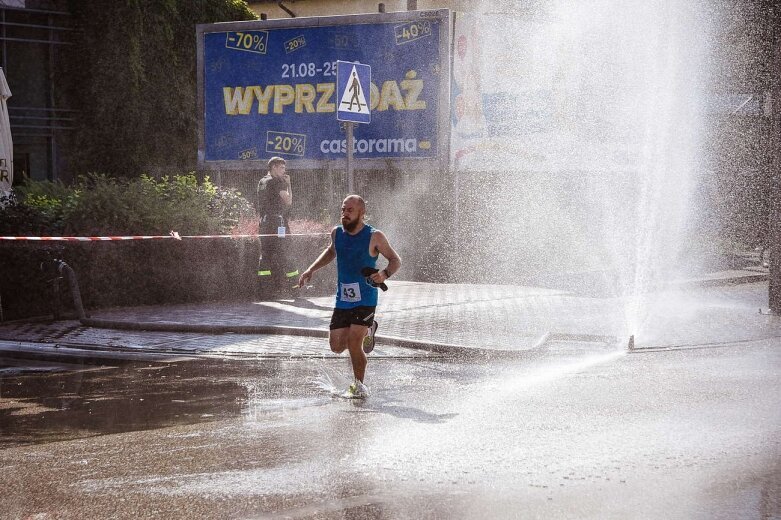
<point>352,92</point>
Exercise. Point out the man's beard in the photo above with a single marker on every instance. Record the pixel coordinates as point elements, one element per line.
<point>349,225</point>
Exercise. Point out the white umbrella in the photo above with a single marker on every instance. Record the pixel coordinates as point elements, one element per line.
<point>6,144</point>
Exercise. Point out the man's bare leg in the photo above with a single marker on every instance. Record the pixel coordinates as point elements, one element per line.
<point>355,346</point>
<point>351,339</point>
<point>337,339</point>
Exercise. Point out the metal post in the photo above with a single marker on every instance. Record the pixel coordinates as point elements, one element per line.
<point>350,163</point>
<point>56,297</point>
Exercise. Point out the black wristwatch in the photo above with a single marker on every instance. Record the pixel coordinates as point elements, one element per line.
<point>387,274</point>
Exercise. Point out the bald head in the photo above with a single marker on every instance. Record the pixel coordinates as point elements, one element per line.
<point>353,211</point>
<point>355,199</point>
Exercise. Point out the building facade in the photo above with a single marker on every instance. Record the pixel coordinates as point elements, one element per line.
<point>32,34</point>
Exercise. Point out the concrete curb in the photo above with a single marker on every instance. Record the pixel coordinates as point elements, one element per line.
<point>449,349</point>
<point>715,282</point>
<point>203,328</point>
<point>429,346</point>
<point>100,353</point>
<point>88,354</point>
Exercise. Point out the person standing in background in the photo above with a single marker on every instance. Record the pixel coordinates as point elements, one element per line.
<point>273,203</point>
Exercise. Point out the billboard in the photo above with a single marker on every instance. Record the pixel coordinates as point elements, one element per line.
<point>268,88</point>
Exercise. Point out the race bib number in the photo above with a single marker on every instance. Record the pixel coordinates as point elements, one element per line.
<point>281,231</point>
<point>350,292</point>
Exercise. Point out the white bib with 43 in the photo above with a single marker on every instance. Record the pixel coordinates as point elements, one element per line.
<point>350,292</point>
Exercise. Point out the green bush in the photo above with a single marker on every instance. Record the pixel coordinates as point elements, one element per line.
<point>101,205</point>
<point>135,272</point>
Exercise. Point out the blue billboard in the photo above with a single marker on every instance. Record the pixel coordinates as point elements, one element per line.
<point>269,88</point>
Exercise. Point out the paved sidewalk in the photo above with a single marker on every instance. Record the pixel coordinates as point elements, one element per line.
<point>447,318</point>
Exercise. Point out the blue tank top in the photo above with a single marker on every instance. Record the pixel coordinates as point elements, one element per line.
<point>352,255</point>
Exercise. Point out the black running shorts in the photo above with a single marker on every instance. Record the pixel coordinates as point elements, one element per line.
<point>343,318</point>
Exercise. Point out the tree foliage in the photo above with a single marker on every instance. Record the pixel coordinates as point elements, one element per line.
<point>131,76</point>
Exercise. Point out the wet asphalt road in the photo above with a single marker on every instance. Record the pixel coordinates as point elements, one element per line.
<point>574,431</point>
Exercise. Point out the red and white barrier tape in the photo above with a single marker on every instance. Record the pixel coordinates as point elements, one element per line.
<point>173,235</point>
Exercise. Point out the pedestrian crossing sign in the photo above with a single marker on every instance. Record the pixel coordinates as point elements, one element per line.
<point>353,82</point>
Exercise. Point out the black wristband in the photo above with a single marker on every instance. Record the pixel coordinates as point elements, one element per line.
<point>387,274</point>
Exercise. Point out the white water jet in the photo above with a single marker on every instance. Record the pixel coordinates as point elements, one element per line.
<point>592,127</point>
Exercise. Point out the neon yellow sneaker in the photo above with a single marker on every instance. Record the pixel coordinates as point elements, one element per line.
<point>357,390</point>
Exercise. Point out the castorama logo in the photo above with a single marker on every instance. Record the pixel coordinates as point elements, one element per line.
<point>362,146</point>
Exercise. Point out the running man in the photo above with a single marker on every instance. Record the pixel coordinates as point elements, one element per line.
<point>355,245</point>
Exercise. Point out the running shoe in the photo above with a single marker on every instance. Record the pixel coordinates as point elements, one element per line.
<point>368,340</point>
<point>357,390</point>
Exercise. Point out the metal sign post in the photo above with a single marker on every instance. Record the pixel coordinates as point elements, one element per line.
<point>350,159</point>
<point>353,97</point>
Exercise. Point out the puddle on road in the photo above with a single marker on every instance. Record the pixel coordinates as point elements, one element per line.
<point>69,402</point>
<point>12,367</point>
<point>61,403</point>
<point>13,371</point>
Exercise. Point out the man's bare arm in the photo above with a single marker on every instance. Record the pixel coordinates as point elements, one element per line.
<point>383,247</point>
<point>325,258</point>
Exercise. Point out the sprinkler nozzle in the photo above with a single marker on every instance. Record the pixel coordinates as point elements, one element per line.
<point>631,345</point>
